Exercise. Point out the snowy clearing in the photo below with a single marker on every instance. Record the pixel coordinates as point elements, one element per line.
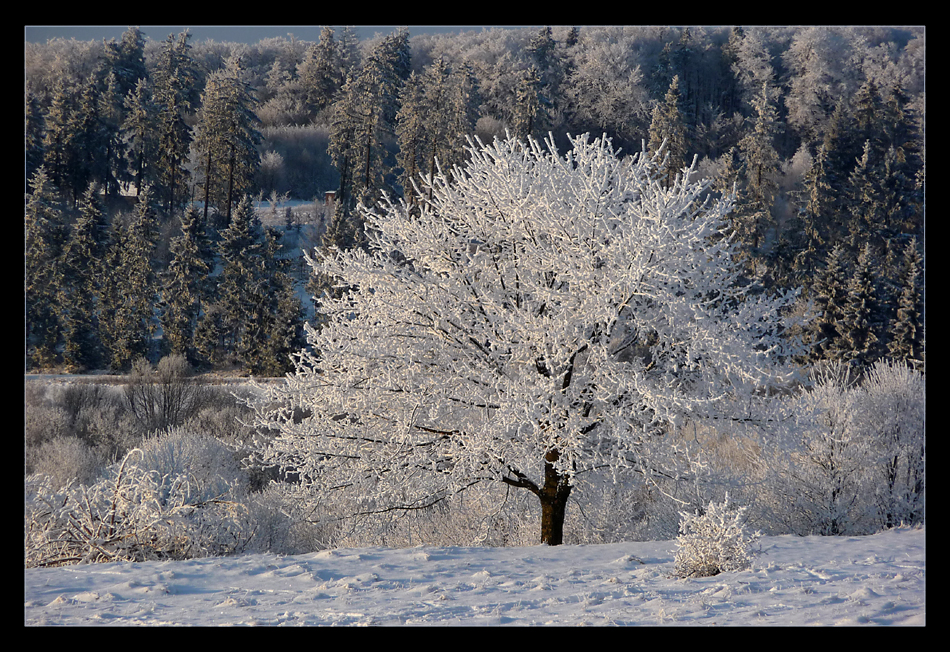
<point>870,580</point>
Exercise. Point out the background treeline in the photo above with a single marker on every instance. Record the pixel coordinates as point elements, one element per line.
<point>143,157</point>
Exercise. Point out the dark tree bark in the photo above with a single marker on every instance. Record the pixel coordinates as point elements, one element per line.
<point>553,496</point>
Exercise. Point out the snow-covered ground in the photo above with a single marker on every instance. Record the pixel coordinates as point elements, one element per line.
<point>872,580</point>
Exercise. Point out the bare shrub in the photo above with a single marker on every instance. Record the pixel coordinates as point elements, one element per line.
<point>66,459</point>
<point>135,513</point>
<point>165,396</point>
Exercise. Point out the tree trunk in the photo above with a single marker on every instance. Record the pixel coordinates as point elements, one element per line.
<point>553,496</point>
<point>207,183</point>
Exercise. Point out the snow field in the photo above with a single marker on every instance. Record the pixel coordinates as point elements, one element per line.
<point>871,580</point>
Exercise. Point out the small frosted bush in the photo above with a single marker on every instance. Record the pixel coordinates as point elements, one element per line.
<point>713,542</point>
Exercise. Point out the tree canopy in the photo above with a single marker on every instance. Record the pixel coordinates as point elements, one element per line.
<point>544,315</point>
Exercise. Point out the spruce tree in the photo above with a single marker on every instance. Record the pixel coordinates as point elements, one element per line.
<point>435,117</point>
<point>227,325</point>
<point>126,59</point>
<point>130,296</point>
<point>319,73</point>
<point>278,321</point>
<point>138,131</point>
<point>44,235</point>
<point>907,329</point>
<point>255,319</point>
<point>669,126</point>
<point>78,290</point>
<point>860,319</point>
<point>112,114</point>
<point>34,125</point>
<point>526,117</point>
<point>865,203</point>
<point>828,293</point>
<point>227,138</point>
<point>760,166</point>
<point>60,151</point>
<point>175,84</point>
<point>814,217</point>
<point>363,119</point>
<point>184,286</point>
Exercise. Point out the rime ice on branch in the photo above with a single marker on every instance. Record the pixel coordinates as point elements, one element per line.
<point>535,317</point>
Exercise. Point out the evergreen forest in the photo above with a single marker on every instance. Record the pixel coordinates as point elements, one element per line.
<point>171,185</point>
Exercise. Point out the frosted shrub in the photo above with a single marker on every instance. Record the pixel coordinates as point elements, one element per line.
<point>65,459</point>
<point>176,500</point>
<point>713,542</point>
<point>209,465</point>
<point>892,414</point>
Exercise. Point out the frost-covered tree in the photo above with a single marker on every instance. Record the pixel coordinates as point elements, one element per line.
<point>893,415</point>
<point>821,464</point>
<point>906,342</point>
<point>861,316</point>
<point>363,119</point>
<point>760,165</point>
<point>175,94</point>
<point>185,285</point>
<point>437,113</point>
<point>128,297</point>
<point>545,316</point>
<point>78,297</point>
<point>829,292</point>
<point>319,72</point>
<point>43,236</point>
<point>668,130</point>
<point>227,137</point>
